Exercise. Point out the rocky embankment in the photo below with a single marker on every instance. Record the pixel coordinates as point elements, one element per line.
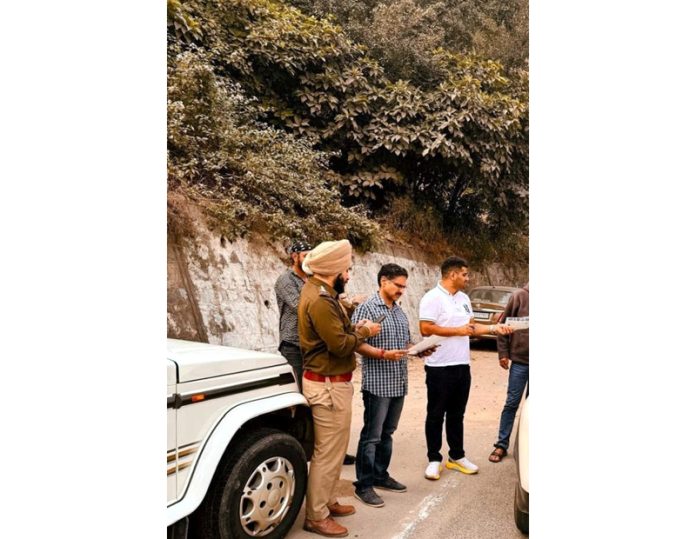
<point>221,291</point>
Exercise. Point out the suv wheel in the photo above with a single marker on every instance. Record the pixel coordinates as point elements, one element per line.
<point>258,489</point>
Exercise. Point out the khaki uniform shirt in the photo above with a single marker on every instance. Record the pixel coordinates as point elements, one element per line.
<point>327,338</point>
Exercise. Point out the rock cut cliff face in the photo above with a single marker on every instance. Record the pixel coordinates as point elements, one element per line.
<point>221,291</point>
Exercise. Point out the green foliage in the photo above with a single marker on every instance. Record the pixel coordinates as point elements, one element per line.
<point>366,184</point>
<point>456,143</point>
<point>247,175</point>
<point>180,22</point>
<point>502,32</point>
<point>401,34</point>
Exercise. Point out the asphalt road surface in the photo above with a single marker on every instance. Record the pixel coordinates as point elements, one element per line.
<point>457,506</point>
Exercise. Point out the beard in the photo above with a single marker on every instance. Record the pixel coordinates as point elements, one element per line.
<point>340,285</point>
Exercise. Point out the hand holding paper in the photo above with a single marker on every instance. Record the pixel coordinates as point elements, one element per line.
<point>428,352</point>
<point>425,344</point>
<point>517,323</point>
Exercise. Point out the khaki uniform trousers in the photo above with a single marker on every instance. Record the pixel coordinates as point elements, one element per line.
<point>331,405</point>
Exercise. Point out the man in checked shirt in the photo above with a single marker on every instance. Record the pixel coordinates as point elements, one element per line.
<point>287,290</point>
<point>384,384</point>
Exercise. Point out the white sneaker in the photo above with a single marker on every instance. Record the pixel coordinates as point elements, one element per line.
<point>433,470</point>
<point>463,465</point>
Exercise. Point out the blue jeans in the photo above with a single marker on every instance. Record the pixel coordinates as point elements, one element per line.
<point>380,420</point>
<point>519,377</point>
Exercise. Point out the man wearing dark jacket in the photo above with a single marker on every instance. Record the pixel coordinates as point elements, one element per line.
<point>513,354</point>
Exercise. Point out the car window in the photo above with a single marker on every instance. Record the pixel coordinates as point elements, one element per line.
<point>491,296</point>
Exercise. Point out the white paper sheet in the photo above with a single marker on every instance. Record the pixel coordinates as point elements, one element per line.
<point>518,323</point>
<point>426,343</point>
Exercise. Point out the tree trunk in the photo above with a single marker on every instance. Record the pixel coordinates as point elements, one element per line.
<point>452,206</point>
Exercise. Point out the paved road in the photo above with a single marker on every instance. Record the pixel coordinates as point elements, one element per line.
<point>457,506</point>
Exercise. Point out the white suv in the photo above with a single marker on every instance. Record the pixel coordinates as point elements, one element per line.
<point>521,452</point>
<point>239,435</point>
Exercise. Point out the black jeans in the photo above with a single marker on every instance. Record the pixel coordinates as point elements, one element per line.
<point>293,354</point>
<point>380,420</point>
<point>448,393</point>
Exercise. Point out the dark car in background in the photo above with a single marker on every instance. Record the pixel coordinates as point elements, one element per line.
<point>489,303</point>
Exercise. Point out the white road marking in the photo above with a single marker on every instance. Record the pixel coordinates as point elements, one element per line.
<point>426,506</point>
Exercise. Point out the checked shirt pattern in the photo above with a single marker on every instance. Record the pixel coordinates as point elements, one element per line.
<point>381,377</point>
<point>287,289</point>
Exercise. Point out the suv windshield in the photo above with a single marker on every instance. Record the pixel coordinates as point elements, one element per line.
<point>500,297</point>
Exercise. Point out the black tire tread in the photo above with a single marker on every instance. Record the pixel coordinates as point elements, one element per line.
<point>521,519</point>
<point>205,519</point>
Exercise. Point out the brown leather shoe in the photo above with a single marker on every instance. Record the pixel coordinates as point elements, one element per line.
<point>327,527</point>
<point>338,510</point>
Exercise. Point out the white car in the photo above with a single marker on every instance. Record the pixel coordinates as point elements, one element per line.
<point>239,435</point>
<point>521,453</point>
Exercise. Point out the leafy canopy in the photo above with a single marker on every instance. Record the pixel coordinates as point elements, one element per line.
<point>458,144</point>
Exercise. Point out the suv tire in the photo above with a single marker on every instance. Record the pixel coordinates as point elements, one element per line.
<point>521,518</point>
<point>263,475</point>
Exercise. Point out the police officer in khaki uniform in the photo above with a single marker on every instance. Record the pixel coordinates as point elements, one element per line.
<point>328,341</point>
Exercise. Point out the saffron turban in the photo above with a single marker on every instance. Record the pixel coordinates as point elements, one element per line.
<point>329,258</point>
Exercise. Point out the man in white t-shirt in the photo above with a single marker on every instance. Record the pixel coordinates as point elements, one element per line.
<point>446,311</point>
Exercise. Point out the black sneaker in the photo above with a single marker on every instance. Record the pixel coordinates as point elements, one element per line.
<point>369,497</point>
<point>348,460</point>
<point>390,484</point>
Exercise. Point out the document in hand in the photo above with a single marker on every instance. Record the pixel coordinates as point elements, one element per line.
<point>518,323</point>
<point>426,343</point>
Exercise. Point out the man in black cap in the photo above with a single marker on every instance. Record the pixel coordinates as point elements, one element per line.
<point>287,289</point>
